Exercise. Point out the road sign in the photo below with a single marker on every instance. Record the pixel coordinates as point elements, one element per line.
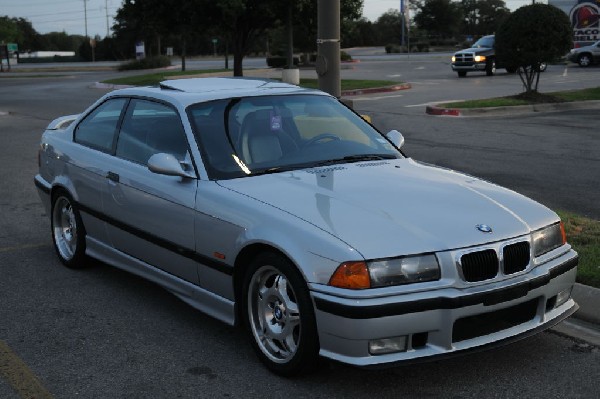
<point>12,47</point>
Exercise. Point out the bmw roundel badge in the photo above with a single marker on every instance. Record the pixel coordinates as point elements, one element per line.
<point>484,228</point>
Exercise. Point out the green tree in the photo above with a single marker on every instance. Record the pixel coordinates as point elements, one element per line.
<point>152,21</point>
<point>531,35</point>
<point>32,40</point>
<point>360,32</point>
<point>9,32</point>
<point>483,17</point>
<point>439,17</point>
<point>389,27</point>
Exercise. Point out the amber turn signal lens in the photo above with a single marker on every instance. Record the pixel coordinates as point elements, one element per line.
<point>352,275</point>
<point>563,233</point>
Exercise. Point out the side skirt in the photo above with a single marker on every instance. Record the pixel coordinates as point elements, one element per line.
<point>213,305</point>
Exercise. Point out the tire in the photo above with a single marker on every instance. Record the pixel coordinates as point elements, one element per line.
<point>511,69</point>
<point>584,60</point>
<point>543,66</point>
<point>278,315</point>
<point>68,232</point>
<point>462,74</point>
<point>490,68</point>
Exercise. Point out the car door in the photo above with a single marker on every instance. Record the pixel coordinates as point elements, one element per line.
<point>151,216</point>
<point>89,161</point>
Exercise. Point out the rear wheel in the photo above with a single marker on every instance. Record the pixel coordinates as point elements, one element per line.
<point>68,233</point>
<point>279,316</point>
<point>462,74</point>
<point>584,60</point>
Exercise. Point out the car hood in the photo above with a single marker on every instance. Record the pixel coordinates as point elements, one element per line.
<point>397,207</point>
<point>474,50</point>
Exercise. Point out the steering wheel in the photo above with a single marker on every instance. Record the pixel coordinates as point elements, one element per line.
<point>320,137</point>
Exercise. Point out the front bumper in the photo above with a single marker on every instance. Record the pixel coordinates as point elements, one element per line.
<point>478,66</point>
<point>447,321</point>
<point>573,57</point>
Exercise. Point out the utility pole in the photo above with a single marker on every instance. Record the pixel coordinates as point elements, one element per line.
<point>290,36</point>
<point>328,46</point>
<point>85,16</point>
<point>106,8</point>
<point>402,23</point>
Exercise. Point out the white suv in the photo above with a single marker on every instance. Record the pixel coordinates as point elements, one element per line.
<point>585,56</point>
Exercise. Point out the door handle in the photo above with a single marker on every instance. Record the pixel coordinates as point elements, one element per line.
<point>113,176</point>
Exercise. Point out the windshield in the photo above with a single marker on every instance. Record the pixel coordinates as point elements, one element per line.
<point>484,42</point>
<point>257,135</point>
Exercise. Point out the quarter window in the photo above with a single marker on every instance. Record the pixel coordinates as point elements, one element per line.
<point>150,128</point>
<point>98,129</point>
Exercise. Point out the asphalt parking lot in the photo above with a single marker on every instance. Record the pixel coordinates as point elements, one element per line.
<point>102,333</point>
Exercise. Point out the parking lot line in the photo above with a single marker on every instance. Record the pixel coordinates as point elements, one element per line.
<point>21,247</point>
<point>19,376</point>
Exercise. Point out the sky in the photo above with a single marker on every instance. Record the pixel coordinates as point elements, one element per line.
<point>69,15</point>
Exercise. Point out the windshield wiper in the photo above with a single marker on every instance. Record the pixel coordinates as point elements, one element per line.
<point>277,169</point>
<point>346,159</point>
<point>356,158</point>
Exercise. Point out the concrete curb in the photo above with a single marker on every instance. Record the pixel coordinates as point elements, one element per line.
<point>439,111</point>
<point>588,299</point>
<point>386,89</point>
<point>109,86</point>
<point>514,110</point>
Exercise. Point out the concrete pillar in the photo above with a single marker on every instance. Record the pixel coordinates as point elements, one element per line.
<point>328,47</point>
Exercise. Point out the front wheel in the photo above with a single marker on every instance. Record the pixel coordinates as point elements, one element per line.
<point>68,233</point>
<point>279,316</point>
<point>584,60</point>
<point>542,66</point>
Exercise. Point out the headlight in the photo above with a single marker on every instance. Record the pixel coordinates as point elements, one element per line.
<point>479,58</point>
<point>453,58</point>
<point>548,238</point>
<point>411,269</point>
<point>386,272</point>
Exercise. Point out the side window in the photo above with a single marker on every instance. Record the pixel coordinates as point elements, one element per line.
<point>99,128</point>
<point>150,128</point>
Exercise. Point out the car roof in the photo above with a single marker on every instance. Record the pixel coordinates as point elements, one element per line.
<point>189,91</point>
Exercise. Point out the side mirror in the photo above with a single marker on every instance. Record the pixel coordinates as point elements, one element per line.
<point>166,164</point>
<point>396,138</point>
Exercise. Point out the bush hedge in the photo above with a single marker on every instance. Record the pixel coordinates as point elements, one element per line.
<point>160,61</point>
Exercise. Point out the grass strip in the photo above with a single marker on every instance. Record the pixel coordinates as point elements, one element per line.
<point>584,235</point>
<point>557,96</point>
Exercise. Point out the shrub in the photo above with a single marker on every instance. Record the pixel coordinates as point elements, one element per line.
<point>344,56</point>
<point>160,61</point>
<point>393,48</point>
<point>531,35</point>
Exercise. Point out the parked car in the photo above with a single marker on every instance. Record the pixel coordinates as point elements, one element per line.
<point>277,207</point>
<point>481,57</point>
<point>585,56</point>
